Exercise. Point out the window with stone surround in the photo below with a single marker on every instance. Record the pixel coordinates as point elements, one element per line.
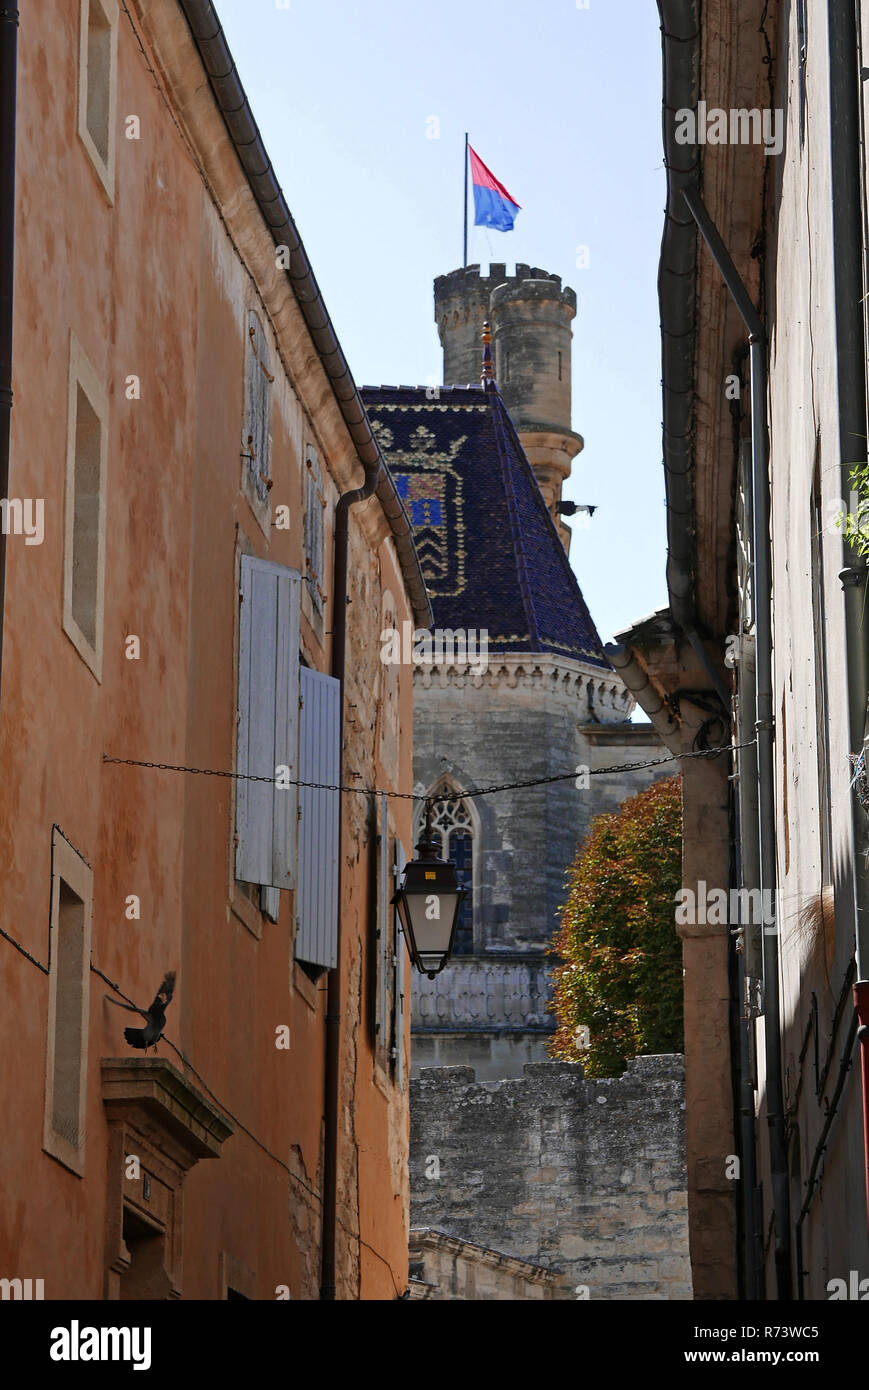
<point>85,509</point>
<point>98,50</point>
<point>69,978</point>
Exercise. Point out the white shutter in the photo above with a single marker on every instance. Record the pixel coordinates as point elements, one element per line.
<point>400,967</point>
<point>268,718</point>
<point>319,820</point>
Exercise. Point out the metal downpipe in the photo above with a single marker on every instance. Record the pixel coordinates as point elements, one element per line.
<point>8,108</point>
<point>331,1106</point>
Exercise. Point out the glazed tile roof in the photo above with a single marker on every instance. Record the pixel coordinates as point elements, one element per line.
<point>489,549</point>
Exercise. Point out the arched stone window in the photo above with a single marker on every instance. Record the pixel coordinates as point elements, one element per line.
<point>453,830</point>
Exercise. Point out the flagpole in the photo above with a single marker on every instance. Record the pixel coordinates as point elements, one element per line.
<point>465,261</point>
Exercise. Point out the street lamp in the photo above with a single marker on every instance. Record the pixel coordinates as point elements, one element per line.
<point>428,903</point>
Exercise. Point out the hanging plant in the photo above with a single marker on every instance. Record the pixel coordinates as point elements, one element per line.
<point>855,525</point>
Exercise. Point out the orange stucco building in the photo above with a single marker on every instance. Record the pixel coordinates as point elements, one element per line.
<point>184,424</point>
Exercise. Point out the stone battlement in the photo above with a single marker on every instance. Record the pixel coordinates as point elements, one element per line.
<point>468,280</point>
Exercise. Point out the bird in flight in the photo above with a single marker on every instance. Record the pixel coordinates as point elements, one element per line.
<point>155,1017</point>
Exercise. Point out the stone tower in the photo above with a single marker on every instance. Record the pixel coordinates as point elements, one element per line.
<point>530,314</point>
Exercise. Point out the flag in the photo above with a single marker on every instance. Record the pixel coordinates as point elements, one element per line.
<point>493,205</point>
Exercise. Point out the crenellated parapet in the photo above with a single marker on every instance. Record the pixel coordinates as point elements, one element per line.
<point>531,314</point>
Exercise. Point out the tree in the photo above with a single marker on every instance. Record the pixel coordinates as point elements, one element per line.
<point>622,972</point>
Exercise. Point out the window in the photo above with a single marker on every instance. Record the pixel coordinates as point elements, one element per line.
<point>85,510</point>
<point>454,833</point>
<point>157,1117</point>
<point>268,726</point>
<point>822,727</point>
<point>316,944</point>
<point>69,963</point>
<point>98,85</point>
<point>559,366</point>
<point>256,436</point>
<point>315,504</point>
<point>389,973</point>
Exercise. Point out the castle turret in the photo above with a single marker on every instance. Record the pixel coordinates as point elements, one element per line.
<point>531,315</point>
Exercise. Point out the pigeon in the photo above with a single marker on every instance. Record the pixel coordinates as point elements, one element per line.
<point>151,1034</point>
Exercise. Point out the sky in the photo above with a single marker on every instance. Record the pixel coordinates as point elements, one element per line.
<point>363,108</point>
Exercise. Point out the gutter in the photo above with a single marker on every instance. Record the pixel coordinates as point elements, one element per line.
<point>8,105</point>
<point>680,30</point>
<point>331,1112</point>
<point>647,697</point>
<point>244,133</point>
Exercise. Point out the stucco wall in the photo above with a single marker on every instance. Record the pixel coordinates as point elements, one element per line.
<point>158,284</point>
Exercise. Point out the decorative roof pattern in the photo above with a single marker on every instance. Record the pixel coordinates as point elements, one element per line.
<point>489,549</point>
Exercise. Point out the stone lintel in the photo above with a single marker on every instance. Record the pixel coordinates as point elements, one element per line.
<point>151,1086</point>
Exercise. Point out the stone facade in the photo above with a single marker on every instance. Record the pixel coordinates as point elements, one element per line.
<point>489,1008</point>
<point>584,1176</point>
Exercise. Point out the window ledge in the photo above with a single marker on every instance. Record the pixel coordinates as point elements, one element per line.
<point>153,1086</point>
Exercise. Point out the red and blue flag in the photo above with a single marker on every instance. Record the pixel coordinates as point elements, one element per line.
<point>493,205</point>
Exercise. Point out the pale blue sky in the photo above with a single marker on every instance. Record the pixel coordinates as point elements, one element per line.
<point>564,105</point>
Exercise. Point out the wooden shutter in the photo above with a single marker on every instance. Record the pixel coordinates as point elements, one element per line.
<point>400,969</point>
<point>319,820</point>
<point>268,722</point>
<point>314,526</point>
<point>257,405</point>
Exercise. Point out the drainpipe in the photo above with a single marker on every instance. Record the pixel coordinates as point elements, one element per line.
<point>8,102</point>
<point>765,729</point>
<point>645,694</point>
<point>333,994</point>
<point>846,164</point>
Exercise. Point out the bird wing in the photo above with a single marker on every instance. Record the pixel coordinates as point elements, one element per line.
<point>167,989</point>
<point>131,1008</point>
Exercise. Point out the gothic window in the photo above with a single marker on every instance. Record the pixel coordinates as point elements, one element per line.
<point>454,834</point>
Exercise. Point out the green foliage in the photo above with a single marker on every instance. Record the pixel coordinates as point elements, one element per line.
<point>622,971</point>
<point>855,525</point>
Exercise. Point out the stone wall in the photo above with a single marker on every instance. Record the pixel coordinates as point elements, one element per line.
<point>527,717</point>
<point>537,716</point>
<point>580,1175</point>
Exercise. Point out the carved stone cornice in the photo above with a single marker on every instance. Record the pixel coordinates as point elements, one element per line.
<point>599,693</point>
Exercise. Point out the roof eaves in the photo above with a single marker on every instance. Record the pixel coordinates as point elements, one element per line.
<point>242,128</point>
